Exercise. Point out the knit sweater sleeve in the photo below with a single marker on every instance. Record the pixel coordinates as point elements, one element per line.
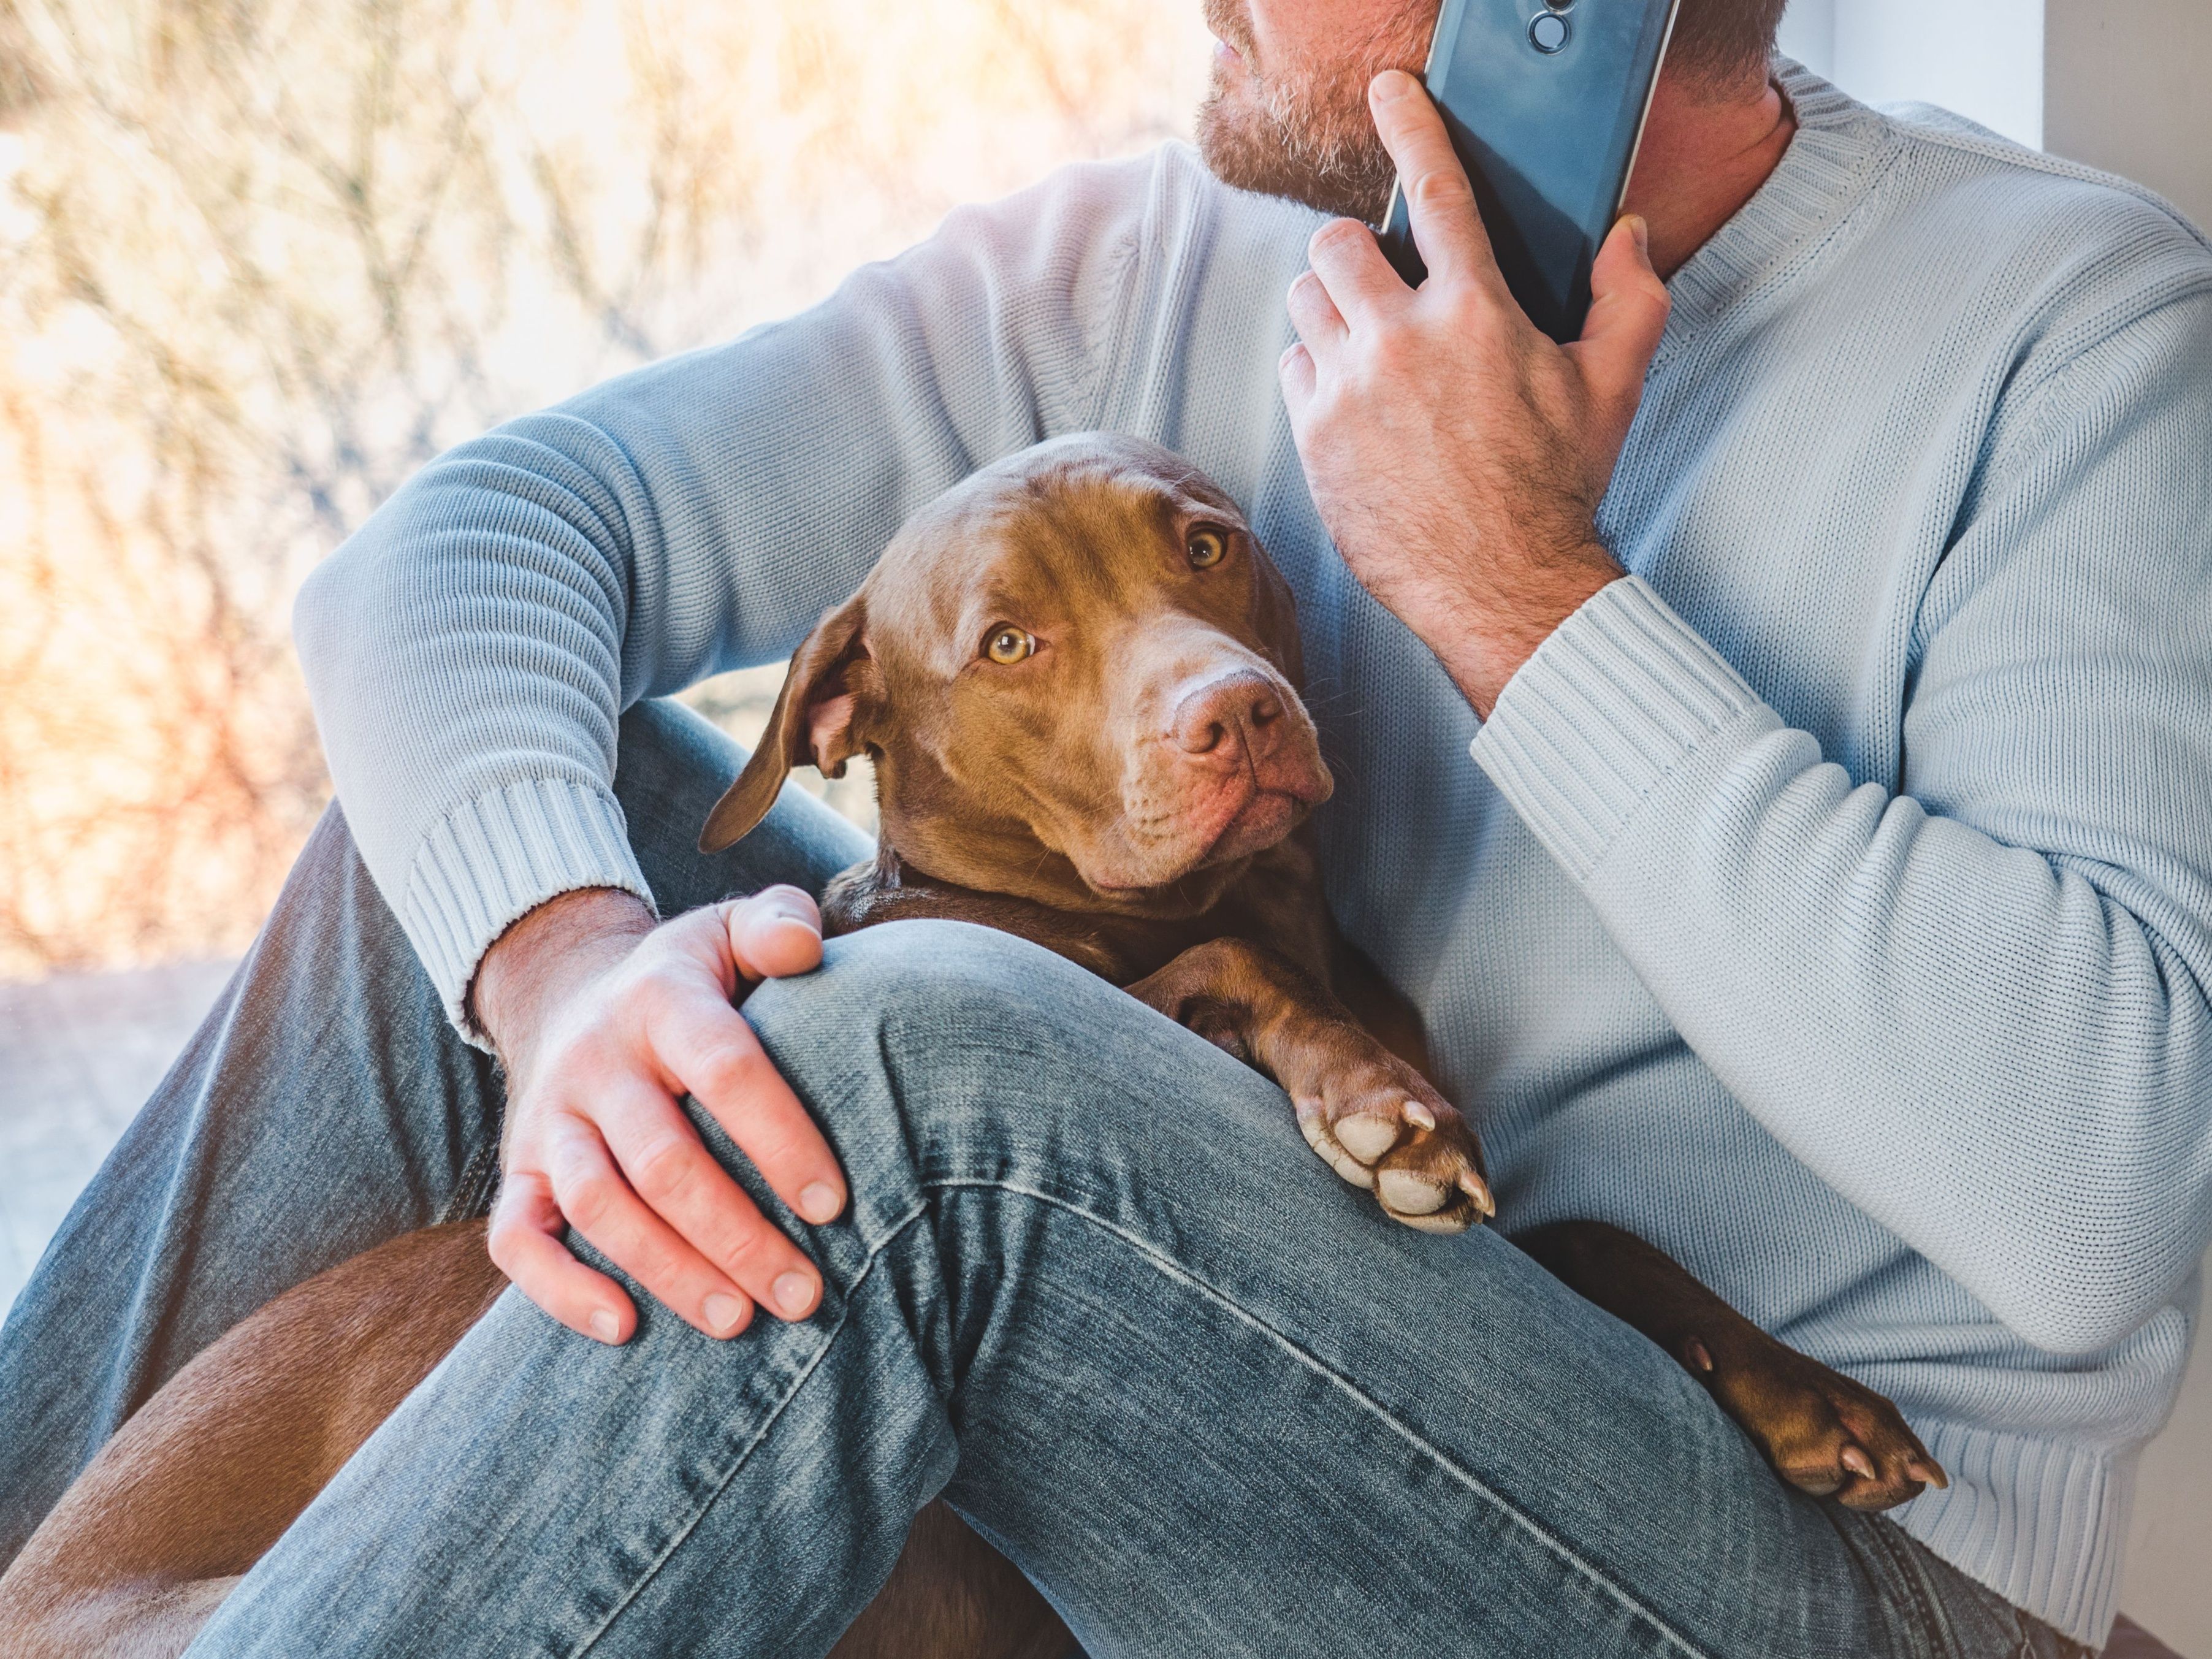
<point>470,649</point>
<point>1975,1003</point>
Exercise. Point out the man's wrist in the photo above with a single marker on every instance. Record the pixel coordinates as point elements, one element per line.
<point>542,951</point>
<point>1484,660</point>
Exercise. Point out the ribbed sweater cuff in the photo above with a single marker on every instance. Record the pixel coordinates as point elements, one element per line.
<point>497,857</point>
<point>2042,1523</point>
<point>1622,692</point>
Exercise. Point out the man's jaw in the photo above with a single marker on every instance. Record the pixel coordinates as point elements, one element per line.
<point>1270,128</point>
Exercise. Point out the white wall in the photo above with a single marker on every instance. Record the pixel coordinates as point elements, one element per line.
<point>1809,34</point>
<point>1983,58</point>
<point>2124,89</point>
<point>2120,86</point>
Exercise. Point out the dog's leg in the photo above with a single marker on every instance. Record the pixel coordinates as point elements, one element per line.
<point>1375,1120</point>
<point>952,1597</point>
<point>1822,1433</point>
<point>206,1475</point>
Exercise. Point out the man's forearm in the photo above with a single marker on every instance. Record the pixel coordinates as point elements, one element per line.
<point>471,650</point>
<point>1971,1043</point>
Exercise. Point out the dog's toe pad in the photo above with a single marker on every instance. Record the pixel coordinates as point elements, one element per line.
<point>1404,1192</point>
<point>1367,1137</point>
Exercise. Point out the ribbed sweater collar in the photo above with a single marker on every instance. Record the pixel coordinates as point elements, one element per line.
<point>1840,149</point>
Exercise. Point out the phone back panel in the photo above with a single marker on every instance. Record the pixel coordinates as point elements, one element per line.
<point>1547,135</point>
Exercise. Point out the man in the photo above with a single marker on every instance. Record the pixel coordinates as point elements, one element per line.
<point>1828,899</point>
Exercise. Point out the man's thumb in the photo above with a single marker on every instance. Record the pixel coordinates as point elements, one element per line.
<point>775,932</point>
<point>1627,314</point>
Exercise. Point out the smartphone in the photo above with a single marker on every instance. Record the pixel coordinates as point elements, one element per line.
<point>1546,104</point>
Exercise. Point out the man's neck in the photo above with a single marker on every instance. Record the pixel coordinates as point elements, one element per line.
<point>1707,149</point>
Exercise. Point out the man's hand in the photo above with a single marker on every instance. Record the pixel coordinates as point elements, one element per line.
<point>603,1019</point>
<point>1454,452</point>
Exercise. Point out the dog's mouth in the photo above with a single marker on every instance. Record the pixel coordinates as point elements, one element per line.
<point>1260,823</point>
<point>1234,824</point>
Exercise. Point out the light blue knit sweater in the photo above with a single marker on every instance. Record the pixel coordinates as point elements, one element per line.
<point>1830,902</point>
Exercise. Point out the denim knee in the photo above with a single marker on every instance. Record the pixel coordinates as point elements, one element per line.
<point>927,1009</point>
<point>930,1051</point>
<point>939,1052</point>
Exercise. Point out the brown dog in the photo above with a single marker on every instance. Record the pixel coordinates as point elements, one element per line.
<point>1079,677</point>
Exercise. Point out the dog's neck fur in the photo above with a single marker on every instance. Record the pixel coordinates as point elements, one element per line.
<point>1273,898</point>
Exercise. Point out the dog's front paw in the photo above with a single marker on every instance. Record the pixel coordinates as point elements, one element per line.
<point>1824,1433</point>
<point>1377,1123</point>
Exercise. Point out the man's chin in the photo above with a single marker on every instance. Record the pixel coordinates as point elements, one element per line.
<point>1240,146</point>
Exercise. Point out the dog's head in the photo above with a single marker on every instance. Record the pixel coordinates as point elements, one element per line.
<point>1076,673</point>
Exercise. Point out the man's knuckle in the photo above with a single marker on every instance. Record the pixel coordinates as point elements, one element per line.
<point>654,985</point>
<point>588,1201</point>
<point>1487,325</point>
<point>500,1244</point>
<point>1393,351</point>
<point>583,1064</point>
<point>755,1247</point>
<point>655,1264</point>
<point>1441,188</point>
<point>665,1170</point>
<point>734,1072</point>
<point>1336,235</point>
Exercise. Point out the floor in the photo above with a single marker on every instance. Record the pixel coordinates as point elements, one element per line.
<point>78,1055</point>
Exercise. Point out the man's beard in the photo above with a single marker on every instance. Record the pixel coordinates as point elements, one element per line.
<point>1304,131</point>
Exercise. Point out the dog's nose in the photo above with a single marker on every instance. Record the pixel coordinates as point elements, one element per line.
<point>1239,713</point>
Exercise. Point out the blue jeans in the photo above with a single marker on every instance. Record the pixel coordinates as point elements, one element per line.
<point>1093,1290</point>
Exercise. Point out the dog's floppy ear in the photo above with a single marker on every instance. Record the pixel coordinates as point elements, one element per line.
<point>816,722</point>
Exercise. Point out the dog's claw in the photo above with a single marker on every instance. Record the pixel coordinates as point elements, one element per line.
<point>1419,1115</point>
<point>1824,1433</point>
<point>1476,1189</point>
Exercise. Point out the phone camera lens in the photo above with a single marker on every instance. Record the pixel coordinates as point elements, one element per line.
<point>1549,33</point>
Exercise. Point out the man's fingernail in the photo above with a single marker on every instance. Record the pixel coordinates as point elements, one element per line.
<point>724,1314</point>
<point>606,1327</point>
<point>1390,86</point>
<point>1640,229</point>
<point>794,1294</point>
<point>820,1203</point>
<point>789,906</point>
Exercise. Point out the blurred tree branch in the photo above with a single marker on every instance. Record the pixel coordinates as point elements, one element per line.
<point>260,259</point>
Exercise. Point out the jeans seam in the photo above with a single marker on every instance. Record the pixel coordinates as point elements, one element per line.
<point>1934,1623</point>
<point>829,1340</point>
<point>479,1182</point>
<point>1173,1269</point>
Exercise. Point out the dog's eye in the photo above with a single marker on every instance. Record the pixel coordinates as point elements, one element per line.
<point>1208,547</point>
<point>1008,645</point>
